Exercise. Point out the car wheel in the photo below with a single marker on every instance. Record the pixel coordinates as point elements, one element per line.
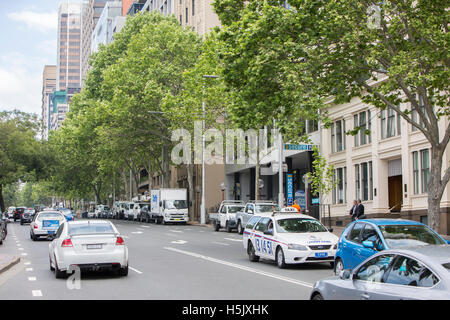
<point>229,229</point>
<point>280,258</point>
<point>240,230</point>
<point>33,237</point>
<point>3,234</point>
<point>21,222</point>
<point>147,220</point>
<point>317,296</point>
<point>251,253</point>
<point>338,266</point>
<point>216,226</point>
<point>51,268</point>
<point>123,271</point>
<point>332,265</point>
<point>58,273</point>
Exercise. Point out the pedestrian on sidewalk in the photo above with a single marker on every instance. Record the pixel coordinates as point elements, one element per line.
<point>296,206</point>
<point>352,210</point>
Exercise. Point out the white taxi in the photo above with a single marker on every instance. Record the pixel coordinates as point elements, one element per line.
<point>289,238</point>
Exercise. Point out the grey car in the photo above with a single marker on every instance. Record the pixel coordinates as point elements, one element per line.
<point>421,272</point>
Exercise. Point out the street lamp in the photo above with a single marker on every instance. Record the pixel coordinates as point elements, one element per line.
<point>202,207</point>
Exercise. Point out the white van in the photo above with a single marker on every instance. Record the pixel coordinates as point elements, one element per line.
<point>169,205</point>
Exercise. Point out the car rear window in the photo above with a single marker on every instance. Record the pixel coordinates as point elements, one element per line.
<point>49,215</point>
<point>90,228</point>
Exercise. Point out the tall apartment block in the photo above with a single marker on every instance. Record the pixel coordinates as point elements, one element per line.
<point>91,13</point>
<point>48,87</point>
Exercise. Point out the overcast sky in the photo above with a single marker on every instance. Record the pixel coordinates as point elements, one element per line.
<point>28,43</point>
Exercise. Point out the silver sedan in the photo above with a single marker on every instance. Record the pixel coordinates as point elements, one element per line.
<point>421,272</point>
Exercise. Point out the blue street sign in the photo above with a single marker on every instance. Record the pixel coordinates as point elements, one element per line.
<point>290,188</point>
<point>301,198</point>
<point>298,147</point>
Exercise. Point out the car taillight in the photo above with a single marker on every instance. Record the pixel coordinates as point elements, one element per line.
<point>35,226</point>
<point>67,243</point>
<point>119,241</point>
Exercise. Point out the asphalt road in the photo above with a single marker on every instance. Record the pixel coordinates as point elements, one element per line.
<point>166,262</point>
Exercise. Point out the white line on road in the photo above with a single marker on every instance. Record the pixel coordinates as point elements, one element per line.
<point>237,240</point>
<point>24,254</point>
<point>135,270</point>
<point>36,293</point>
<point>32,278</point>
<point>223,244</point>
<point>20,248</point>
<point>137,232</point>
<point>176,231</point>
<point>234,265</point>
<point>145,226</point>
<point>29,269</point>
<point>27,263</point>
<point>179,242</point>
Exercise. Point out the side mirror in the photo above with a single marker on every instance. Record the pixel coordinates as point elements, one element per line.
<point>268,232</point>
<point>160,203</point>
<point>330,229</point>
<point>368,244</point>
<point>345,274</point>
<point>448,241</point>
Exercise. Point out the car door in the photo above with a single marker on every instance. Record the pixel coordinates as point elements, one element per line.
<point>368,279</point>
<point>409,278</point>
<point>349,247</point>
<point>260,242</point>
<point>248,233</point>
<point>223,216</point>
<point>369,233</point>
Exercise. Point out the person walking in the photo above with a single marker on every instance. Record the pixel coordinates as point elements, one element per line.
<point>296,206</point>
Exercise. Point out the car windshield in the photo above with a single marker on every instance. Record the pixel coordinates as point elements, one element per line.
<point>141,205</point>
<point>49,215</point>
<point>266,208</point>
<point>234,209</point>
<point>299,225</point>
<point>175,204</point>
<point>106,208</point>
<point>409,235</point>
<point>90,228</point>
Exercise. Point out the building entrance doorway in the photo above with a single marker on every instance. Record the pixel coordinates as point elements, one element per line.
<point>395,193</point>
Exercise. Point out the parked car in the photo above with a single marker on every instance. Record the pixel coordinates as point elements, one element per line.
<point>288,238</point>
<point>252,208</point>
<point>144,213</point>
<point>363,238</point>
<point>10,213</point>
<point>102,211</point>
<point>3,227</point>
<point>45,224</point>
<point>68,214</point>
<point>89,245</point>
<point>226,217</point>
<point>421,272</point>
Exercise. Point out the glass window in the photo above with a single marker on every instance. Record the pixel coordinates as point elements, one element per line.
<point>370,234</point>
<point>333,146</point>
<point>391,123</point>
<point>409,272</point>
<point>266,208</point>
<point>362,130</point>
<point>354,234</point>
<point>383,124</point>
<point>262,224</point>
<point>365,181</point>
<point>90,228</point>
<point>251,223</point>
<point>338,135</point>
<point>374,269</point>
<point>409,235</point>
<point>340,186</point>
<point>334,189</point>
<point>344,136</point>
<point>357,185</point>
<point>369,120</point>
<point>425,165</point>
<point>234,209</point>
<point>356,125</point>
<point>370,180</point>
<point>416,172</point>
<point>299,225</point>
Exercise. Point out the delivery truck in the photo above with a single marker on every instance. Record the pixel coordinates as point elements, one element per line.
<point>169,206</point>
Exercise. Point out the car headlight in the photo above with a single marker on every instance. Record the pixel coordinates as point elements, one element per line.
<point>297,247</point>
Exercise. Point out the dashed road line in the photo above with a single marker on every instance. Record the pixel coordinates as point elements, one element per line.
<point>31,278</point>
<point>36,293</point>
<point>135,270</point>
<point>221,243</point>
<point>230,239</point>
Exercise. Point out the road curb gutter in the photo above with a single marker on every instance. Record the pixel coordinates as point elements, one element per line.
<point>4,266</point>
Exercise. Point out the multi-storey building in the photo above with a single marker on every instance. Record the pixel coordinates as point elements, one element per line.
<point>106,25</point>
<point>386,165</point>
<point>48,86</point>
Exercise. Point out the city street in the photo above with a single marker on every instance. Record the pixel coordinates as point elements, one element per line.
<point>166,262</point>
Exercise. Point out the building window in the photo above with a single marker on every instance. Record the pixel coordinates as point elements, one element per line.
<point>181,19</point>
<point>187,13</point>
<point>415,114</point>
<point>370,179</point>
<point>390,123</point>
<point>364,123</point>
<point>357,186</point>
<point>365,181</point>
<point>340,191</point>
<point>193,7</point>
<point>337,136</point>
<point>416,172</point>
<point>425,166</point>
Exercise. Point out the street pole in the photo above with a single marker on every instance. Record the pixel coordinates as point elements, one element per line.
<point>280,172</point>
<point>202,206</point>
<point>131,186</point>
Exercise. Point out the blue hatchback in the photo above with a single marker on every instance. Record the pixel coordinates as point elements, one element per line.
<point>363,238</point>
<point>67,213</point>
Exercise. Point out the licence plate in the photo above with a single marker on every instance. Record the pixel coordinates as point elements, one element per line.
<point>94,246</point>
<point>50,232</point>
<point>321,254</point>
<point>177,219</point>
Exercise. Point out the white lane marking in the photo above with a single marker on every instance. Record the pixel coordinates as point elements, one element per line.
<point>237,240</point>
<point>36,293</point>
<point>27,263</point>
<point>20,248</point>
<point>137,232</point>
<point>31,278</point>
<point>126,237</point>
<point>176,231</point>
<point>223,244</point>
<point>145,226</point>
<point>24,254</point>
<point>179,242</point>
<point>135,270</point>
<point>234,265</point>
<point>29,269</point>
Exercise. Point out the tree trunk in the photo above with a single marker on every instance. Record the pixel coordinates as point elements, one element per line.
<point>435,189</point>
<point>257,172</point>
<point>167,174</point>
<point>124,175</point>
<point>191,189</point>
<point>2,202</point>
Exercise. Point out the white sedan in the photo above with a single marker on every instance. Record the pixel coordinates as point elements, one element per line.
<point>89,245</point>
<point>289,238</point>
<point>45,224</point>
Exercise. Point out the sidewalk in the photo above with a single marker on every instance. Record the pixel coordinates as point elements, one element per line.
<point>7,261</point>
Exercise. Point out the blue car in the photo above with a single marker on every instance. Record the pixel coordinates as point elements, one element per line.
<point>68,214</point>
<point>363,238</point>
